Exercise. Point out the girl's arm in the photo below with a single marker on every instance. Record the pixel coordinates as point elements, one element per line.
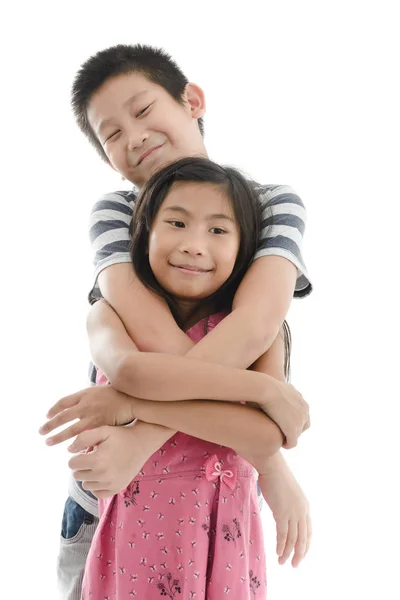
<point>279,486</point>
<point>251,433</point>
<point>241,428</point>
<point>160,377</point>
<point>272,363</point>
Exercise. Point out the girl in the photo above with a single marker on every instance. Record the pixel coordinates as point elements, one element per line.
<point>188,524</point>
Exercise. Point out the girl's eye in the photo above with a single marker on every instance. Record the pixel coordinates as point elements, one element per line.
<point>177,223</point>
<point>141,112</point>
<point>217,230</point>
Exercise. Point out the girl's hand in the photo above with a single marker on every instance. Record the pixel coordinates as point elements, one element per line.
<point>94,407</point>
<point>289,410</point>
<point>113,458</point>
<point>291,512</point>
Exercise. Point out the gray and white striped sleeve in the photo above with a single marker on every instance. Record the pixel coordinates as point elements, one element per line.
<point>283,225</point>
<point>109,233</point>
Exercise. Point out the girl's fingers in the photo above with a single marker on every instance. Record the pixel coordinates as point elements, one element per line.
<point>62,404</point>
<point>90,437</point>
<point>103,493</point>
<point>86,475</point>
<point>290,542</point>
<point>94,486</point>
<point>82,462</point>
<point>281,535</point>
<point>60,419</point>
<point>301,543</point>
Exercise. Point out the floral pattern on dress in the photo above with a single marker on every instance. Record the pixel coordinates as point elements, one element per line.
<point>187,526</point>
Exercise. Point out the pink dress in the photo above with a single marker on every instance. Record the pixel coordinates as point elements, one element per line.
<point>188,526</point>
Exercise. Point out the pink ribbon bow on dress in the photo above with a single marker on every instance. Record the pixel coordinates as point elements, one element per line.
<point>214,471</point>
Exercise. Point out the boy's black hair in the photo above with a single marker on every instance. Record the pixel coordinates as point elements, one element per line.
<point>244,197</point>
<point>154,63</point>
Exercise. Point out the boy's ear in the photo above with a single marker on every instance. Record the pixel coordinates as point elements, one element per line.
<point>195,98</point>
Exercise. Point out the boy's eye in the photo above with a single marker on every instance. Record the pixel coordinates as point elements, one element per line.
<point>141,112</point>
<point>217,230</point>
<point>177,223</point>
<point>112,135</point>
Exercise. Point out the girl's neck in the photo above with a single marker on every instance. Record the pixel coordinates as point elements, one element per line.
<point>191,313</point>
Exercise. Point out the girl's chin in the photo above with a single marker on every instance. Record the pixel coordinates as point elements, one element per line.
<point>191,299</point>
<point>188,294</point>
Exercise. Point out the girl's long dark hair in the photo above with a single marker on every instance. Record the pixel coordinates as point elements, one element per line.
<point>244,197</point>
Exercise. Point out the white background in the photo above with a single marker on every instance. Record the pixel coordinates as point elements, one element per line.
<point>303,93</point>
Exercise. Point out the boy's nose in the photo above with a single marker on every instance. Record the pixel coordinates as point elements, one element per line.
<point>136,139</point>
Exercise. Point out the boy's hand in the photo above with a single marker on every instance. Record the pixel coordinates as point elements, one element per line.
<point>115,458</point>
<point>290,412</point>
<point>291,513</point>
<point>95,406</point>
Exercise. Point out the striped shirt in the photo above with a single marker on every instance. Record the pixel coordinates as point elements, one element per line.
<point>283,224</point>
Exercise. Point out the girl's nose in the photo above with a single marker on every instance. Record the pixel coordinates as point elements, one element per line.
<point>193,246</point>
<point>193,251</point>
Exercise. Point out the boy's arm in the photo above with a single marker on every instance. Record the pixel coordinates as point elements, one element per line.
<point>247,434</point>
<point>146,316</point>
<point>259,308</point>
<point>163,377</point>
<point>247,430</point>
<point>242,428</point>
<point>261,302</point>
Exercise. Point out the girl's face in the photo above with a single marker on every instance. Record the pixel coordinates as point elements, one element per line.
<point>193,242</point>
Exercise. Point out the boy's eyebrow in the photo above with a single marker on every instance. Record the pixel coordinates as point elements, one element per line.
<point>134,97</point>
<point>104,122</point>
<point>189,214</point>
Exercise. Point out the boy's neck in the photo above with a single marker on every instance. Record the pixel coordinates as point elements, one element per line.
<point>200,153</point>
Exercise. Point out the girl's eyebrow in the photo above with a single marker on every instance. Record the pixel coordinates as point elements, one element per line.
<point>187,213</point>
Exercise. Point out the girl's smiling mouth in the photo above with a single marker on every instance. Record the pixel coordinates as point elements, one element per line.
<point>191,269</point>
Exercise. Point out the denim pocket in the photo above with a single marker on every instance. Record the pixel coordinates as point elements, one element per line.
<point>73,518</point>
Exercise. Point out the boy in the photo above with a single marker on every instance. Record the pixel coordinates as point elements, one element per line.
<point>140,112</point>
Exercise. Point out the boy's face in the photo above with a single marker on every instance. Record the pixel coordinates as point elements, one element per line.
<point>142,128</point>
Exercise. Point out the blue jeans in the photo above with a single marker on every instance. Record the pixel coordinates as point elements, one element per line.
<point>73,518</point>
<point>77,531</point>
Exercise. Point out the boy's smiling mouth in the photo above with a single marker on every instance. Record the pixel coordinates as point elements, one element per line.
<point>148,153</point>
